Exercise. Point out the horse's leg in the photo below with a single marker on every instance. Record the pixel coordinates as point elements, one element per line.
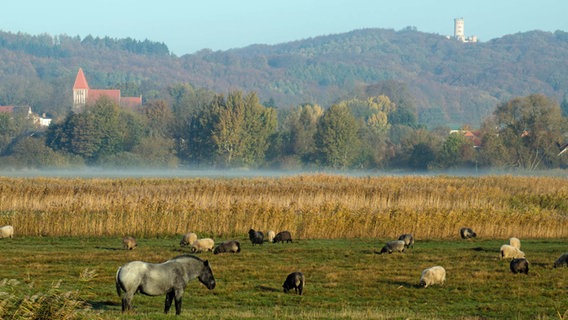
<point>178,296</point>
<point>169,297</point>
<point>127,301</point>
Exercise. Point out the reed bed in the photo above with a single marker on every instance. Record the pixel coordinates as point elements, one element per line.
<point>310,206</point>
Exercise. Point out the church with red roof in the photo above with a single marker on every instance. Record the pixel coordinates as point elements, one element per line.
<point>83,95</point>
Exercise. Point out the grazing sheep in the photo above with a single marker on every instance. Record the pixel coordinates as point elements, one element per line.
<point>296,281</point>
<point>393,246</point>
<point>467,233</point>
<point>433,275</point>
<point>205,244</point>
<point>562,261</point>
<point>283,236</point>
<point>520,265</point>
<point>188,239</point>
<point>515,242</point>
<point>6,232</point>
<point>270,235</point>
<point>408,239</point>
<point>228,246</point>
<point>256,237</point>
<point>508,251</point>
<point>129,243</point>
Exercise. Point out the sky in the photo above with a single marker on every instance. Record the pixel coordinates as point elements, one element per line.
<point>187,26</point>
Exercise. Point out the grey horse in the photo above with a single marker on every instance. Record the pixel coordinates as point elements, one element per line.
<point>169,278</point>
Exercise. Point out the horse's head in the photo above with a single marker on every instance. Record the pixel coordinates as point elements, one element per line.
<point>206,276</point>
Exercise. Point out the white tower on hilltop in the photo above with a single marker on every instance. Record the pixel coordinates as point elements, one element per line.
<point>459,32</point>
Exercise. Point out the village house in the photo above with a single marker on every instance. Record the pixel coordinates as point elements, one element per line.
<point>38,120</point>
<point>83,95</point>
<point>471,135</point>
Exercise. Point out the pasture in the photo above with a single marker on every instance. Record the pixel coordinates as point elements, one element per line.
<point>68,234</point>
<point>345,279</point>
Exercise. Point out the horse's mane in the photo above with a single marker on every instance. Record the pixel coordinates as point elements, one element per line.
<point>183,256</point>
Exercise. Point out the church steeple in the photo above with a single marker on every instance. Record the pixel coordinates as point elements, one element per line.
<point>83,95</point>
<point>81,81</point>
<point>80,91</point>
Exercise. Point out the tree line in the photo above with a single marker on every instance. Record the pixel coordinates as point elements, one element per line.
<point>452,82</point>
<point>200,128</point>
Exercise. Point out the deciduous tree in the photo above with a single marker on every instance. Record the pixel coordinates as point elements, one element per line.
<point>337,142</point>
<point>528,129</point>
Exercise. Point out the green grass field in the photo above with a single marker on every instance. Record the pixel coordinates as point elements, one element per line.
<point>345,279</point>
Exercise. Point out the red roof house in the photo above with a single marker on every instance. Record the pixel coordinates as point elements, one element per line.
<point>7,109</point>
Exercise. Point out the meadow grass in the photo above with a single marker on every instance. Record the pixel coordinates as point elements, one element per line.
<point>68,233</point>
<point>345,279</point>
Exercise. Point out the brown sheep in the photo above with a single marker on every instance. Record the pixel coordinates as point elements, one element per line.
<point>232,246</point>
<point>283,236</point>
<point>408,239</point>
<point>520,265</point>
<point>129,243</point>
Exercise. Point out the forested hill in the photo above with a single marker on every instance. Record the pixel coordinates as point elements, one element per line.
<point>447,80</point>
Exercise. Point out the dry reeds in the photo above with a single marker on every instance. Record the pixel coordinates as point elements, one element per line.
<point>310,206</point>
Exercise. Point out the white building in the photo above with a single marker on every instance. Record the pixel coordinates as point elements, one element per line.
<point>459,31</point>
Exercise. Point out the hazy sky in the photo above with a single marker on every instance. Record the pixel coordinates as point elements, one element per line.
<point>186,26</point>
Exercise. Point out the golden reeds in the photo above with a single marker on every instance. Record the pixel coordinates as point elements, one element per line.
<point>310,206</point>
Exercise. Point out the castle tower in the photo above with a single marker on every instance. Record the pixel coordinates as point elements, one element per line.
<point>80,91</point>
<point>459,32</point>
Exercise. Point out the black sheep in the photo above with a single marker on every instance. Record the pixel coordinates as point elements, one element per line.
<point>256,237</point>
<point>561,261</point>
<point>296,281</point>
<point>467,233</point>
<point>519,265</point>
<point>283,236</point>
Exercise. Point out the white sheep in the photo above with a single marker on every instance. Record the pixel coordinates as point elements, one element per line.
<point>205,244</point>
<point>270,235</point>
<point>515,242</point>
<point>6,232</point>
<point>188,239</point>
<point>433,275</point>
<point>508,251</point>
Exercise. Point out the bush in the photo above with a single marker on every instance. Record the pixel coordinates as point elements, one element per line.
<point>51,304</point>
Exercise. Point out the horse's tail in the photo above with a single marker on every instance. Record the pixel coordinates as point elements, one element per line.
<point>118,287</point>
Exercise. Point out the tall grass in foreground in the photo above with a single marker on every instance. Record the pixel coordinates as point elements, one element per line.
<point>52,303</point>
<point>310,206</point>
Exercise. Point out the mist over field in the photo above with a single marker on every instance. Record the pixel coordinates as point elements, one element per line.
<point>243,173</point>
